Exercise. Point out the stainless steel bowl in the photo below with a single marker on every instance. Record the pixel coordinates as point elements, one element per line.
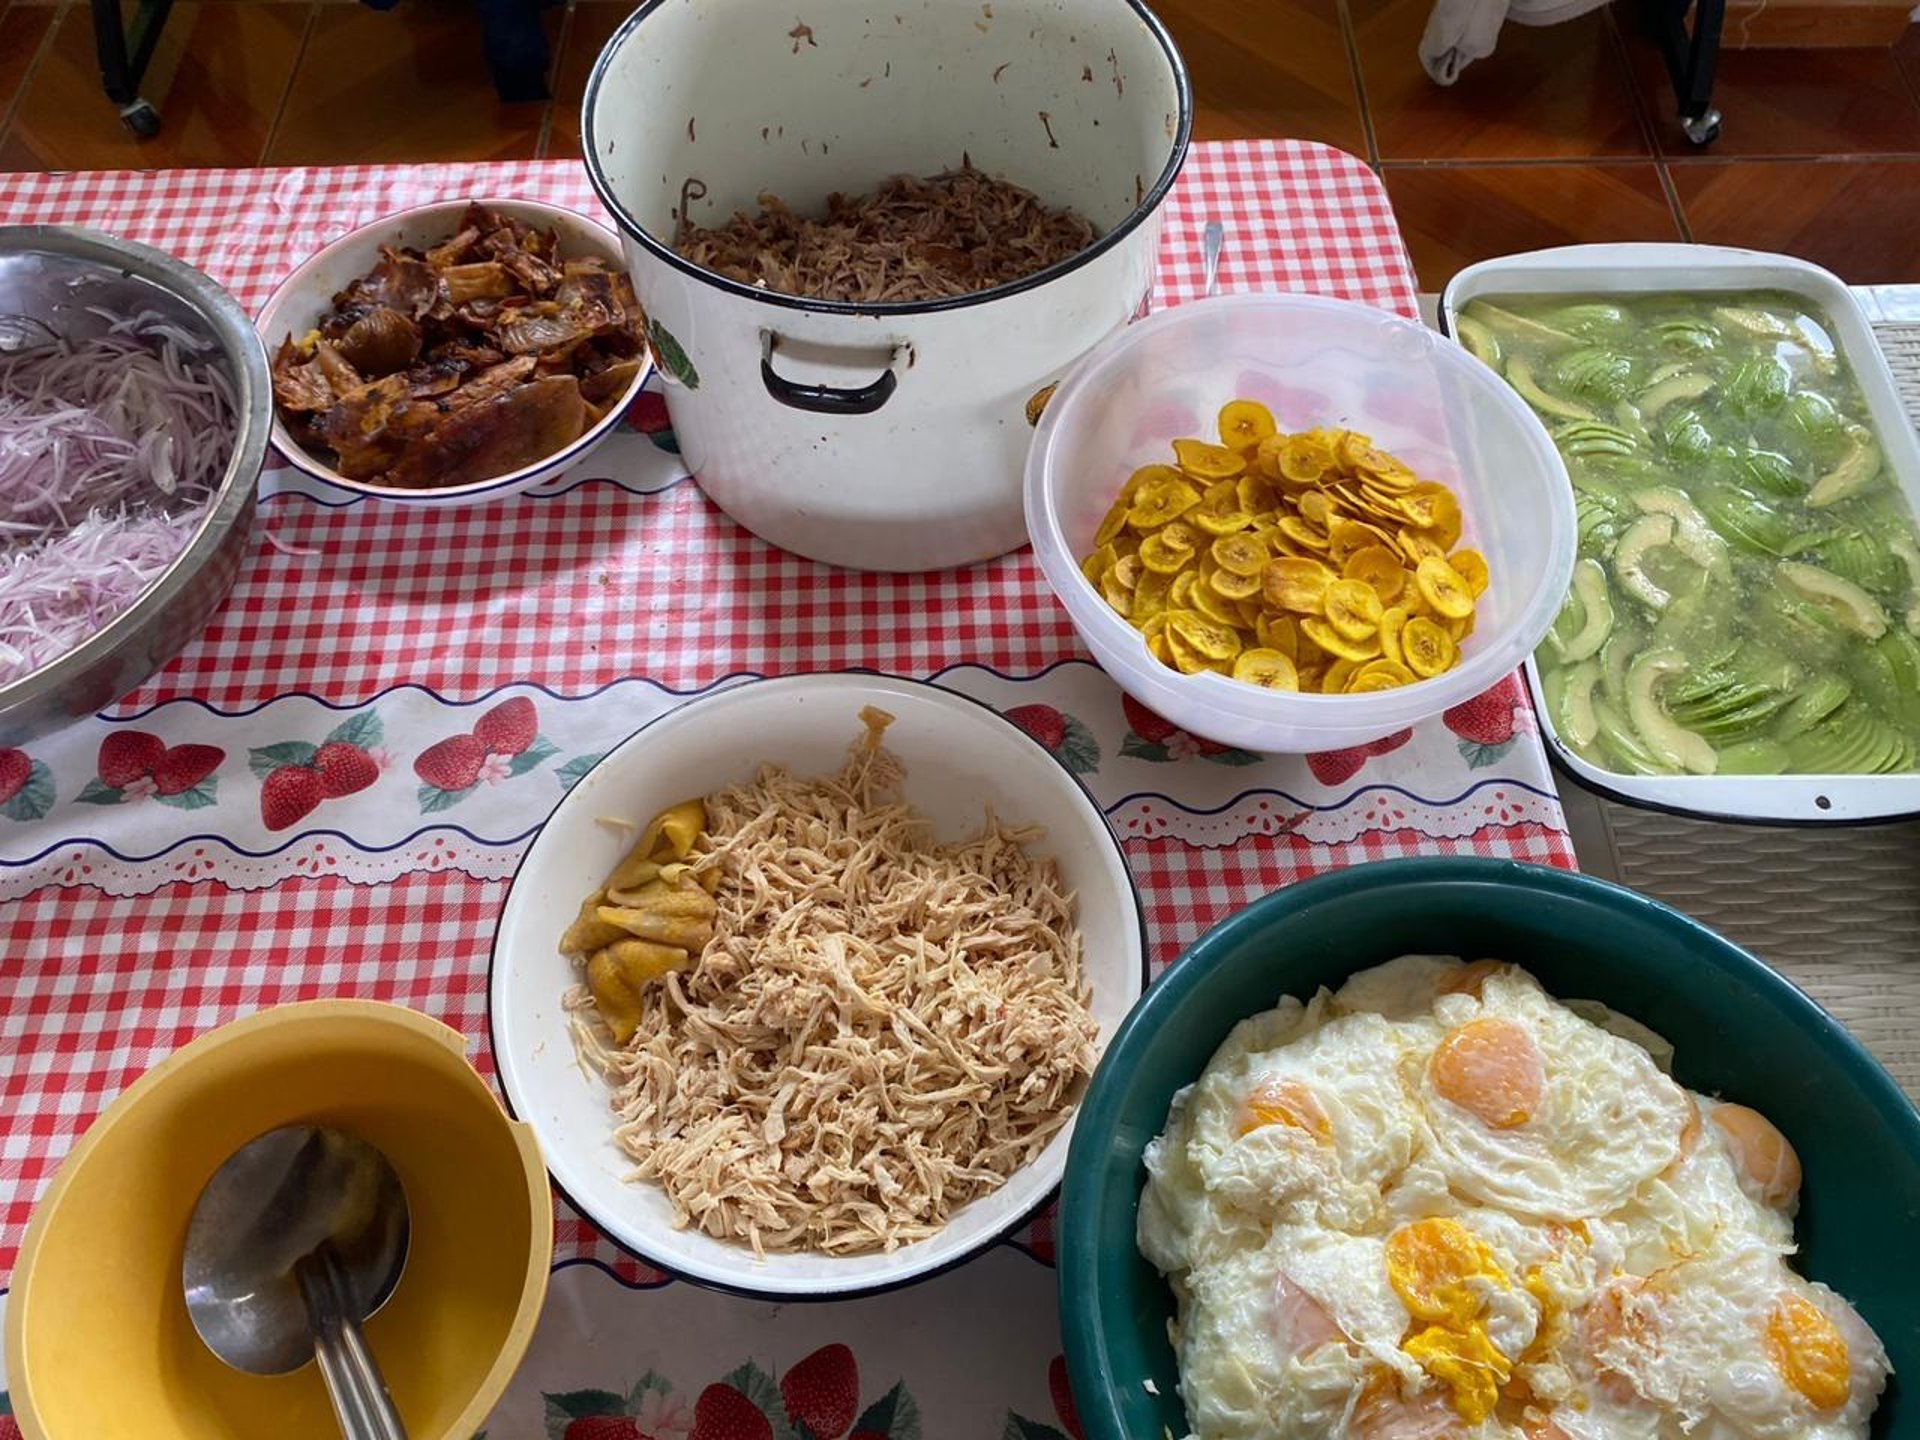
<point>52,273</point>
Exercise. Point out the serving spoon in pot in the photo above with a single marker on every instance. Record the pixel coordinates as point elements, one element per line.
<point>298,1238</point>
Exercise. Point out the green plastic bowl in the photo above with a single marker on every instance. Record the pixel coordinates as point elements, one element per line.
<point>1738,1029</point>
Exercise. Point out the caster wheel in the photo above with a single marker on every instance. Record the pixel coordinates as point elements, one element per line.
<point>141,118</point>
<point>1702,129</point>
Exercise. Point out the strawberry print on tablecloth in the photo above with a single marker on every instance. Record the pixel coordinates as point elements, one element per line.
<point>819,1398</point>
<point>26,785</point>
<point>1488,723</point>
<point>648,415</point>
<point>1062,736</point>
<point>296,775</point>
<point>505,742</point>
<point>1153,737</point>
<point>1336,767</point>
<point>138,765</point>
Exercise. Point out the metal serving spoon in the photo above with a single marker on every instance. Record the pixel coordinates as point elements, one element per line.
<point>1211,241</point>
<point>298,1238</point>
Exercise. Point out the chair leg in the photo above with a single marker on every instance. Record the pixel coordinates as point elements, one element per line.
<point>1691,55</point>
<point>124,57</point>
<point>517,49</point>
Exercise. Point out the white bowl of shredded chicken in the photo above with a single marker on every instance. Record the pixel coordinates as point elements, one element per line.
<point>902,936</point>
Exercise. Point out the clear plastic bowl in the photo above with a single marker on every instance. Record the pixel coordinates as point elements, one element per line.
<point>1312,362</point>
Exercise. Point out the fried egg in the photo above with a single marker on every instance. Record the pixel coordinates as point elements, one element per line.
<point>1735,1344</point>
<point>1736,1175</point>
<point>1439,1203</point>
<point>1540,1112</point>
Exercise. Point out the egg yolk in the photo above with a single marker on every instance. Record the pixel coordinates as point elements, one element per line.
<point>1809,1351</point>
<point>1492,1069</point>
<point>1285,1102</point>
<point>1431,1264</point>
<point>1761,1152</point>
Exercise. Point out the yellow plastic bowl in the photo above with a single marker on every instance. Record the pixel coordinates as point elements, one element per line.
<point>98,1338</point>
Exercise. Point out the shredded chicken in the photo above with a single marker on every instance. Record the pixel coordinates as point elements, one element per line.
<point>883,1028</point>
<point>950,234</point>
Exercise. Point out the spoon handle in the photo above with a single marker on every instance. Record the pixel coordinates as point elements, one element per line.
<point>1211,240</point>
<point>361,1403</point>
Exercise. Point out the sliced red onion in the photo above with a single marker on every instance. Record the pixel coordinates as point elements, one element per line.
<point>110,451</point>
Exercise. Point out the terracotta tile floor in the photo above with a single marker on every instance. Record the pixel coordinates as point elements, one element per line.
<point>1564,135</point>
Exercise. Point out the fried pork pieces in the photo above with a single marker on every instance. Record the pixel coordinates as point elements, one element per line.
<point>467,361</point>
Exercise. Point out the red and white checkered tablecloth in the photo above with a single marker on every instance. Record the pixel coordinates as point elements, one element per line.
<point>116,952</point>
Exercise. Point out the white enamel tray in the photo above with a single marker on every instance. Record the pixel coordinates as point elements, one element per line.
<point>1710,269</point>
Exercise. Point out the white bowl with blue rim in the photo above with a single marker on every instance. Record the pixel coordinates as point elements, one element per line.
<point>962,759</point>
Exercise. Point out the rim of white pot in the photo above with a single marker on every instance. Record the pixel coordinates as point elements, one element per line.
<point>1150,202</point>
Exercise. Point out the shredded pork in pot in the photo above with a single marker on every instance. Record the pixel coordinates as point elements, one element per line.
<point>883,1028</point>
<point>950,234</point>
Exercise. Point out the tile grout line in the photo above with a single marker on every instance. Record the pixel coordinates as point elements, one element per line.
<point>40,54</point>
<point>559,58</point>
<point>1350,34</point>
<point>1672,192</point>
<point>1642,109</point>
<point>286,95</point>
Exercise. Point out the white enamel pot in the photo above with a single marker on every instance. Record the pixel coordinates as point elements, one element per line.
<point>880,436</point>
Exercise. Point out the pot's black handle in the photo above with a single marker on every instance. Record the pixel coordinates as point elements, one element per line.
<point>824,399</point>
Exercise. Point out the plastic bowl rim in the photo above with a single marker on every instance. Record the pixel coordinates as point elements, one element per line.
<point>1335,716</point>
<point>489,1386</point>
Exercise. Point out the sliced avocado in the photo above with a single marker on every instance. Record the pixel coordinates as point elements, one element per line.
<point>1850,742</point>
<point>1680,387</point>
<point>1693,537</point>
<point>1858,556</point>
<point>1854,607</point>
<point>1520,376</point>
<point>1649,532</point>
<point>1509,323</point>
<point>1574,715</point>
<point>1593,437</point>
<point>1595,374</point>
<point>1758,387</point>
<point>1686,436</point>
<point>1821,697</point>
<point>1689,336</point>
<point>1856,470</point>
<point>1664,737</point>
<point>1590,319</point>
<point>1596,608</point>
<point>1745,520</point>
<point>1755,757</point>
<point>1812,415</point>
<point>1595,521</point>
<point>1758,323</point>
<point>1767,472</point>
<point>1615,656</point>
<point>1480,341</point>
<point>1623,746</point>
<point>1907,553</point>
<point>1902,653</point>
